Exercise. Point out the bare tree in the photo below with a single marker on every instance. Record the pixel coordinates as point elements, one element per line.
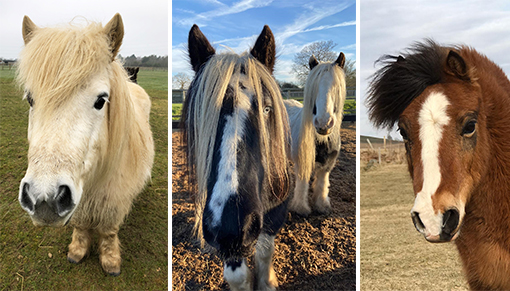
<point>323,52</point>
<point>350,73</point>
<point>181,81</point>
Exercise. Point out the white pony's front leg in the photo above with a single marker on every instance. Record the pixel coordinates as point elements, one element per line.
<point>238,276</point>
<point>321,190</point>
<point>265,274</point>
<point>299,202</point>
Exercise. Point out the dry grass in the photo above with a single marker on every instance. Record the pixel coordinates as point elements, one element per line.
<point>393,255</point>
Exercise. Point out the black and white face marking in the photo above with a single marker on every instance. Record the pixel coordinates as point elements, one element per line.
<point>227,180</point>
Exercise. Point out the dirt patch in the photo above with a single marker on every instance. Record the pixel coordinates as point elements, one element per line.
<point>314,253</point>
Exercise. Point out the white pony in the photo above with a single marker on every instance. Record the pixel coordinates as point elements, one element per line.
<point>90,143</point>
<point>315,127</point>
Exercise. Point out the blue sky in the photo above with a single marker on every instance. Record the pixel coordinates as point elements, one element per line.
<point>236,24</point>
<point>388,27</point>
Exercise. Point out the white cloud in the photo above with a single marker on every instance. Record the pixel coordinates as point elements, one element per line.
<point>237,7</point>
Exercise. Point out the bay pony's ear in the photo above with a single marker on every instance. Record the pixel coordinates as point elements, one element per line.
<point>114,29</point>
<point>456,66</point>
<point>264,49</point>
<point>28,29</point>
<point>199,48</point>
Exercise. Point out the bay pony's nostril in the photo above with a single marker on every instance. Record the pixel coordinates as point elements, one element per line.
<point>418,224</point>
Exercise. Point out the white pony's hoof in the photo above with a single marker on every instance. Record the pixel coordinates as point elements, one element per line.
<point>323,205</point>
<point>266,287</point>
<point>302,209</point>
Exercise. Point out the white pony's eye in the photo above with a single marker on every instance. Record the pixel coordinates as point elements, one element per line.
<point>267,109</point>
<point>29,99</point>
<point>101,100</point>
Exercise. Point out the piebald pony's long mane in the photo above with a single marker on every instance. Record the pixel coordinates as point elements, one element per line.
<point>307,136</point>
<point>201,113</point>
<point>57,62</point>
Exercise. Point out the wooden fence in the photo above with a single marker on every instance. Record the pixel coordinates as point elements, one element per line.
<point>178,96</point>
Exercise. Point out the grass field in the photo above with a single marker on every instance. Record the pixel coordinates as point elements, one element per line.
<point>393,255</point>
<point>35,258</point>
<point>349,106</point>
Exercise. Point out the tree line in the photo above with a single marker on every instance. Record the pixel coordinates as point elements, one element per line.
<point>147,61</point>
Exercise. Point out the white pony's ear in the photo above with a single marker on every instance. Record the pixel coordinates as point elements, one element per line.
<point>312,62</point>
<point>341,60</point>
<point>115,32</point>
<point>28,29</point>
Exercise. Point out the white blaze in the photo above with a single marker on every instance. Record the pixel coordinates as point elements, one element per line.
<point>432,118</point>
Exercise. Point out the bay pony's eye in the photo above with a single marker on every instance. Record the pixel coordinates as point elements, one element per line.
<point>100,101</point>
<point>403,133</point>
<point>469,128</point>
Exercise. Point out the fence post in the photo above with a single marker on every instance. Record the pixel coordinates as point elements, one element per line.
<point>370,144</point>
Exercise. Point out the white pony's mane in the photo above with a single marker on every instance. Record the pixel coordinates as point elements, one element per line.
<point>307,135</point>
<point>203,115</point>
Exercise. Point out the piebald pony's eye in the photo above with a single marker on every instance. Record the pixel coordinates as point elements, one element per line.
<point>469,128</point>
<point>29,99</point>
<point>101,100</point>
<point>267,109</point>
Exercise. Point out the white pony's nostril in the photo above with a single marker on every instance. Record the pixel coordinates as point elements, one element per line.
<point>331,122</point>
<point>25,200</point>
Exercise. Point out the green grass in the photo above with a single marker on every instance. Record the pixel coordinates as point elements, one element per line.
<point>393,255</point>
<point>349,107</point>
<point>34,258</point>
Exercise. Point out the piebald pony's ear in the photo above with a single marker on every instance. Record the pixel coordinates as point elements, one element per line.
<point>28,29</point>
<point>199,48</point>
<point>312,62</point>
<point>341,60</point>
<point>456,66</point>
<point>264,49</point>
<point>115,32</point>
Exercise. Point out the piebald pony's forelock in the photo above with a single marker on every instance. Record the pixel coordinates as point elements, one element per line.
<point>306,142</point>
<point>201,117</point>
<point>57,62</point>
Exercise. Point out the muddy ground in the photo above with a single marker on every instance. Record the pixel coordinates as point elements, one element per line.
<point>314,253</point>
